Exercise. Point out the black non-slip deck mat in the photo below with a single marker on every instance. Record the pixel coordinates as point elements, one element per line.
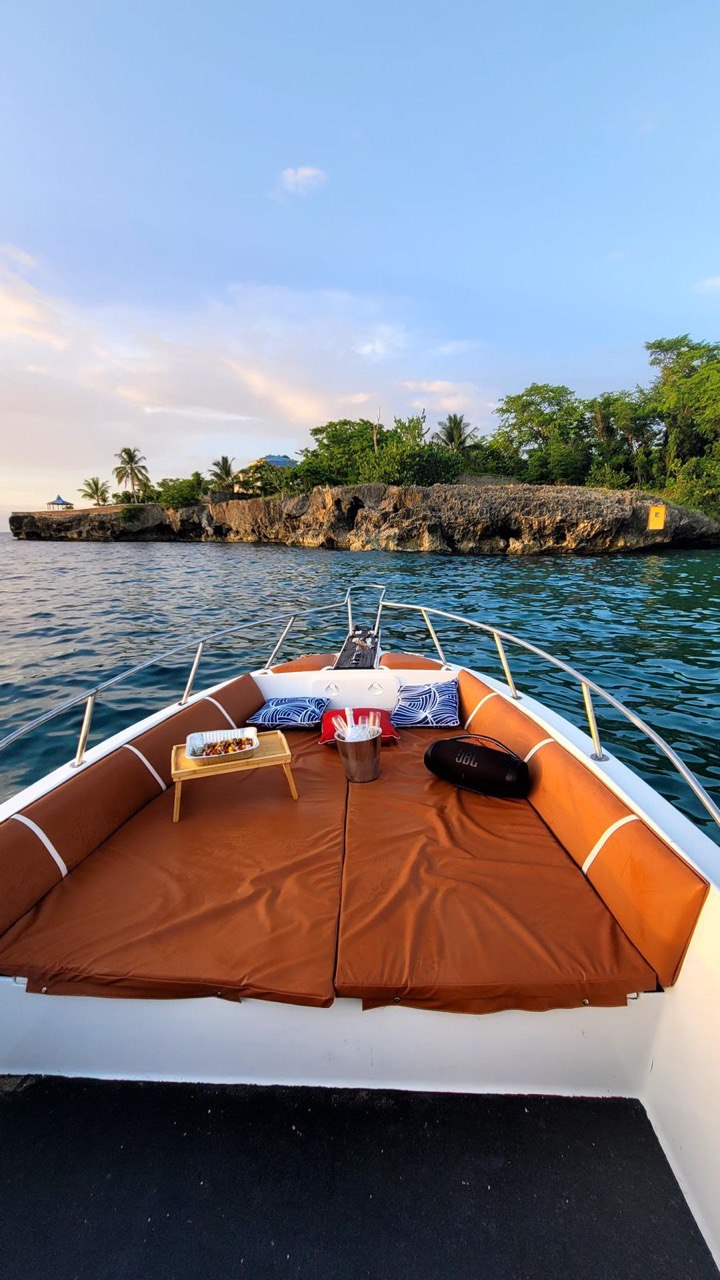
<point>170,1182</point>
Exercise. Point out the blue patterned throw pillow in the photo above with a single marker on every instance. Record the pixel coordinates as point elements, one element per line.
<point>427,706</point>
<point>290,713</point>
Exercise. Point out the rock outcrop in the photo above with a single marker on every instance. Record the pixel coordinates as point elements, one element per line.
<point>146,522</point>
<point>463,519</point>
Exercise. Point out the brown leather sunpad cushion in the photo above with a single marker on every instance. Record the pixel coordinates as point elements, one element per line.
<point>449,900</point>
<point>239,898</point>
<point>460,902</point>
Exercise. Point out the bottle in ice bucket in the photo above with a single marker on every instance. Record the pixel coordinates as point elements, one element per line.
<point>359,745</point>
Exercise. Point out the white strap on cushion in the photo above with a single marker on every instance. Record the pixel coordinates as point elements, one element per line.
<point>537,747</point>
<point>147,764</point>
<point>615,826</point>
<point>226,714</point>
<point>480,704</point>
<point>20,817</point>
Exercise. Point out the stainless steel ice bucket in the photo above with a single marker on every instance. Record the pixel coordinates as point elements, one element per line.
<point>361,760</point>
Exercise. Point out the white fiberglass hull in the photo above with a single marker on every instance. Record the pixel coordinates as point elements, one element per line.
<point>662,1048</point>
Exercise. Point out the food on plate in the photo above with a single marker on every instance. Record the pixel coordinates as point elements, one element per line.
<point>227,747</point>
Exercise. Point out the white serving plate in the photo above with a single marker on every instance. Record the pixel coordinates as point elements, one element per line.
<point>195,742</point>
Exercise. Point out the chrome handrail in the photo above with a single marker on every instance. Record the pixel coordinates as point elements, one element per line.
<point>89,697</point>
<point>587,685</point>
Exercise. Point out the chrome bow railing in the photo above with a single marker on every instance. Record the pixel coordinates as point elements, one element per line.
<point>588,686</point>
<point>90,696</point>
<point>500,638</point>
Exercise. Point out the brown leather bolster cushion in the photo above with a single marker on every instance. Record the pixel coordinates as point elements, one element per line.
<point>309,662</point>
<point>156,744</point>
<point>409,662</point>
<point>241,698</point>
<point>75,817</point>
<point>654,895</point>
<point>89,807</point>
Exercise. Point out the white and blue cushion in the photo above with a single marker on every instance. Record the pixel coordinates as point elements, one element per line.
<point>290,713</point>
<point>427,706</point>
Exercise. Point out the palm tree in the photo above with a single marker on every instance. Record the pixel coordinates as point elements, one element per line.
<point>95,490</point>
<point>131,469</point>
<point>222,472</point>
<point>455,433</point>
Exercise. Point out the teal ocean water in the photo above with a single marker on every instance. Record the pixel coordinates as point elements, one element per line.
<point>646,627</point>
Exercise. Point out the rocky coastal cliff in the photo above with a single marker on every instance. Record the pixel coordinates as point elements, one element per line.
<point>466,519</point>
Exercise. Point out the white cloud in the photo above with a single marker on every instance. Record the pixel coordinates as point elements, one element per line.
<point>198,412</point>
<point>18,257</point>
<point>356,398</point>
<point>302,180</point>
<point>710,285</point>
<point>283,397</point>
<point>26,313</point>
<point>458,347</point>
<point>245,373</point>
<point>383,341</point>
<point>438,396</point>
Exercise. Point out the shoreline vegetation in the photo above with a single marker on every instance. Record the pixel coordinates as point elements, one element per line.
<point>663,438</point>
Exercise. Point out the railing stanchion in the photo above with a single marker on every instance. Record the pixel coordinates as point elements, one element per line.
<point>193,673</point>
<point>598,753</point>
<point>349,614</point>
<point>278,646</point>
<point>378,615</point>
<point>85,731</point>
<point>506,667</point>
<point>433,636</point>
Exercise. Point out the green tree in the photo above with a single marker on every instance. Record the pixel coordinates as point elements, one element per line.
<point>545,427</point>
<point>95,490</point>
<point>686,397</point>
<point>146,491</point>
<point>262,478</point>
<point>625,431</point>
<point>310,472</point>
<point>422,464</point>
<point>533,416</point>
<point>343,451</point>
<point>222,472</point>
<point>363,452</point>
<point>176,493</point>
<point>494,455</point>
<point>405,457</point>
<point>455,433</point>
<point>409,431</point>
<point>697,483</point>
<point>131,469</point>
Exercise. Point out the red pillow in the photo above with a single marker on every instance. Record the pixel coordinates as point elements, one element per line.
<point>327,733</point>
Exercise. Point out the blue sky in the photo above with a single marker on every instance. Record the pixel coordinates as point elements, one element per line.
<point>223,223</point>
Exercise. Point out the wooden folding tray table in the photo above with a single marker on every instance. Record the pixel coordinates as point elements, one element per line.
<point>272,750</point>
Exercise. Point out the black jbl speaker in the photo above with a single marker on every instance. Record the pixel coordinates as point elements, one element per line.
<point>465,763</point>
